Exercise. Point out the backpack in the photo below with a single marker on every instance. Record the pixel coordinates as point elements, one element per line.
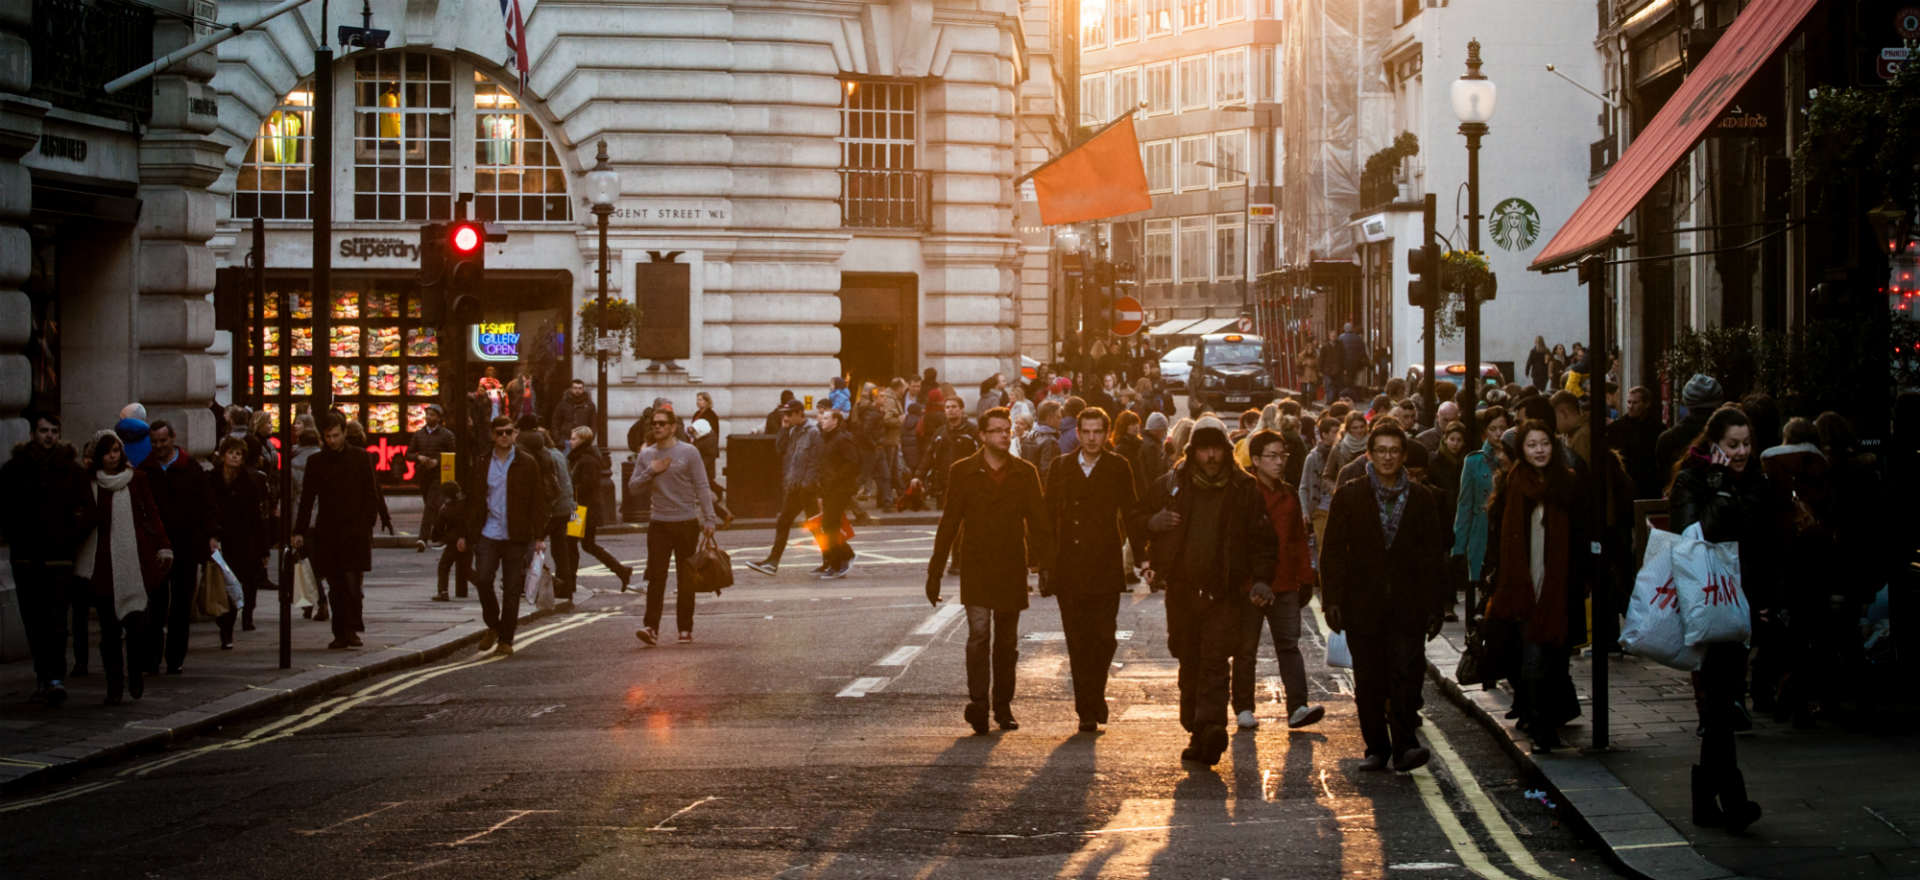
<point>1040,449</point>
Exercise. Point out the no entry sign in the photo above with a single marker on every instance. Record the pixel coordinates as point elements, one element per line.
<point>1127,316</point>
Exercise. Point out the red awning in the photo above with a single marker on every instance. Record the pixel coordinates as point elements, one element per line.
<point>1759,30</point>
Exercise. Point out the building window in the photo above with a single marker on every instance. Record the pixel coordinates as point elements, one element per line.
<point>1196,258</point>
<point>1159,18</point>
<point>1230,158</point>
<point>1160,88</point>
<point>403,136</point>
<point>1263,236</point>
<point>1126,20</point>
<point>1126,90</point>
<point>1230,69</point>
<point>1093,99</point>
<point>1230,10</point>
<point>1193,151</point>
<point>1229,236</point>
<point>1157,156</point>
<point>880,184</point>
<point>517,176</point>
<point>1093,25</point>
<point>1193,14</point>
<point>1195,88</point>
<point>1263,74</point>
<point>1264,9</point>
<point>273,181</point>
<point>1158,265</point>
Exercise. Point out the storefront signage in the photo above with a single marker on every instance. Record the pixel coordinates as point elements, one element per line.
<point>1264,215</point>
<point>498,341</point>
<point>1514,224</point>
<point>370,248</point>
<point>59,147</point>
<point>671,214</point>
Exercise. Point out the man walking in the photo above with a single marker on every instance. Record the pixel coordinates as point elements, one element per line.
<point>672,473</point>
<point>1290,588</point>
<point>839,476</point>
<point>799,447</point>
<point>185,497</point>
<point>994,509</point>
<point>1091,508</point>
<point>956,439</point>
<point>340,478</point>
<point>1381,569</point>
<point>49,509</point>
<point>507,511</point>
<point>1635,435</point>
<point>1211,547</point>
<point>575,409</point>
<point>425,449</point>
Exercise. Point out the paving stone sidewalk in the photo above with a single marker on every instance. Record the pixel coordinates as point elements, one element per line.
<point>1838,803</point>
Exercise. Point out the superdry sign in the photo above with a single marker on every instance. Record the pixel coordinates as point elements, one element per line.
<point>370,248</point>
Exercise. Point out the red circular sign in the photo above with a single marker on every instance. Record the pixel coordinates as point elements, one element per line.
<point>1907,22</point>
<point>1128,316</point>
<point>465,238</point>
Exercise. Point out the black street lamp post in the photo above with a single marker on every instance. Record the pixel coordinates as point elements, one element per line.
<point>603,189</point>
<point>1472,98</point>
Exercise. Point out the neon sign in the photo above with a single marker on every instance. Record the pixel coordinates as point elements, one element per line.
<point>496,341</point>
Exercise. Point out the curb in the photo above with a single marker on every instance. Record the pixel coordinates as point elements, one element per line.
<point>158,733</point>
<point>1638,840</point>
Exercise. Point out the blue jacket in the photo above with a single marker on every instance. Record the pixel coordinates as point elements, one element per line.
<point>840,399</point>
<point>1470,512</point>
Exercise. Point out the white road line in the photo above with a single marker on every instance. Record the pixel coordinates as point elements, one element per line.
<point>1483,806</point>
<point>309,832</point>
<point>862,686</point>
<point>901,656</point>
<point>663,826</point>
<point>939,619</point>
<point>517,815</point>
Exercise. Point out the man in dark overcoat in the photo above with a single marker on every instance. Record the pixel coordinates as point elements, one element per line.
<point>1380,570</point>
<point>339,541</point>
<point>184,494</point>
<point>997,498</point>
<point>1091,508</point>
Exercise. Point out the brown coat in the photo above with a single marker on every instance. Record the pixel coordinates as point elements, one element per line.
<point>1006,530</point>
<point>1092,516</point>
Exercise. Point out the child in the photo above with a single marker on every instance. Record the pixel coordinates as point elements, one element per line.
<point>446,530</point>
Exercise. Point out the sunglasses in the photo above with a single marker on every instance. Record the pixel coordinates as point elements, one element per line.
<point>502,432</point>
<point>660,424</point>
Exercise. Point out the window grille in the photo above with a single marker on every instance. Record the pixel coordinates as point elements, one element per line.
<point>273,182</point>
<point>403,136</point>
<point>517,175</point>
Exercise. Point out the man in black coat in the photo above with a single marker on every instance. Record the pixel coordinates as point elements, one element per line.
<point>839,475</point>
<point>425,449</point>
<point>1700,397</point>
<point>1211,543</point>
<point>1381,573</point>
<point>956,439</point>
<point>49,508</point>
<point>185,497</point>
<point>1636,434</point>
<point>507,513</point>
<point>576,408</point>
<point>340,479</point>
<point>1092,506</point>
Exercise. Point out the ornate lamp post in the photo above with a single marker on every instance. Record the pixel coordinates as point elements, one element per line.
<point>1473,97</point>
<point>603,189</point>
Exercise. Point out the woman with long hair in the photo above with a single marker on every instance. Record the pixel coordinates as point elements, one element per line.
<point>239,499</point>
<point>122,562</point>
<point>1352,445</point>
<point>1718,484</point>
<point>1536,530</point>
<point>1177,440</point>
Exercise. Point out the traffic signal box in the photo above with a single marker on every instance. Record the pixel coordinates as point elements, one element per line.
<point>1423,276</point>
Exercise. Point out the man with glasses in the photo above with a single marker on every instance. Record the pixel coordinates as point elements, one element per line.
<point>673,476</point>
<point>1091,505</point>
<point>1278,606</point>
<point>1381,571</point>
<point>507,510</point>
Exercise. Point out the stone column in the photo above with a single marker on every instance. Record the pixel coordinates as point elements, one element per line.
<point>19,131</point>
<point>179,158</point>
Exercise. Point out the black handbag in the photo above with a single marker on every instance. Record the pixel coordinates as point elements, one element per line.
<point>1474,662</point>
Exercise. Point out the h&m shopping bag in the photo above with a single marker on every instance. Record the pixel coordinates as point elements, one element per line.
<point>1655,629</point>
<point>539,584</point>
<point>1713,607</point>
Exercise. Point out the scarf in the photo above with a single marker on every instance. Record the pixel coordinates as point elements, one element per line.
<point>1201,481</point>
<point>1391,501</point>
<point>1350,447</point>
<point>1544,617</point>
<point>129,585</point>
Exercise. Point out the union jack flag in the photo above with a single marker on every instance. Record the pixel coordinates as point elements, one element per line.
<point>516,38</point>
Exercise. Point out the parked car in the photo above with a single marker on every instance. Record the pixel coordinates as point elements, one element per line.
<point>1175,366</point>
<point>1451,372</point>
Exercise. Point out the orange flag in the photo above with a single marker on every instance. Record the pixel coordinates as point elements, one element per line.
<point>1098,179</point>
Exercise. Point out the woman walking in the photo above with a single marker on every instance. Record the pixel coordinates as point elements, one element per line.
<point>239,499</point>
<point>1718,486</point>
<point>122,562</point>
<point>593,487</point>
<point>1537,585</point>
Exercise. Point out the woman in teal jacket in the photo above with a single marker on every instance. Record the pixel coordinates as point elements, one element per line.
<point>1476,485</point>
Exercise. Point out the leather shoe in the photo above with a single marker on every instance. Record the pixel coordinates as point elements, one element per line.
<point>976,716</point>
<point>1411,759</point>
<point>1088,725</point>
<point>1373,763</point>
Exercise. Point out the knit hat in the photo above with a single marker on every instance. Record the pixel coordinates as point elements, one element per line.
<point>1702,391</point>
<point>1157,422</point>
<point>1062,384</point>
<point>1416,455</point>
<point>1209,431</point>
<point>133,434</point>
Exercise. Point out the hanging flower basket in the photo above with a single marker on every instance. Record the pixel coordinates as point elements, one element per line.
<point>1464,271</point>
<point>619,323</point>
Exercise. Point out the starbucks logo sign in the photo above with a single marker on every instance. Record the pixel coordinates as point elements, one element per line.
<point>1515,224</point>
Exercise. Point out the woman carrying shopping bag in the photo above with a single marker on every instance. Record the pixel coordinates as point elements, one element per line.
<point>122,562</point>
<point>1718,485</point>
<point>238,499</point>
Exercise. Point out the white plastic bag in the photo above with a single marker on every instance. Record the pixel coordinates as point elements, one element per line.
<point>1338,655</point>
<point>306,587</point>
<point>1713,606</point>
<point>235,595</point>
<point>1654,628</point>
<point>539,584</point>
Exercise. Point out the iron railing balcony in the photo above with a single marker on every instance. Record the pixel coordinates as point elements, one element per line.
<point>80,44</point>
<point>885,198</point>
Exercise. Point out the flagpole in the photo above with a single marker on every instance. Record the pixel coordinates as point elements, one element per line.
<point>1103,130</point>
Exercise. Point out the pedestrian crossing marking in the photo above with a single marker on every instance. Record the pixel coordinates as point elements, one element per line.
<point>862,686</point>
<point>900,656</point>
<point>1055,636</point>
<point>939,620</point>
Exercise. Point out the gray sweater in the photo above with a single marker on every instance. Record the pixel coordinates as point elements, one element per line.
<point>681,493</point>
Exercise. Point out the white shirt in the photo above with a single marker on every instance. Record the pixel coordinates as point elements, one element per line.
<point>1087,464</point>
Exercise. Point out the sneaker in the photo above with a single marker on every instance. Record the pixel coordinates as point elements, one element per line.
<point>1247,720</point>
<point>1306,715</point>
<point>1373,763</point>
<point>834,574</point>
<point>503,651</point>
<point>686,638</point>
<point>820,569</point>
<point>226,644</point>
<point>1411,760</point>
<point>766,567</point>
<point>976,715</point>
<point>487,640</point>
<point>647,636</point>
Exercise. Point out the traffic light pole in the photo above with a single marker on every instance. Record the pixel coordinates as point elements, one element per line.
<point>1593,272</point>
<point>1431,274</point>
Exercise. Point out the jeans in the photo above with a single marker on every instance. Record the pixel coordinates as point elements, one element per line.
<point>170,616</point>
<point>115,661</point>
<point>1282,616</point>
<point>992,678</point>
<point>670,542</point>
<point>1090,620</point>
<point>501,614</point>
<point>833,511</point>
<point>452,560</point>
<point>42,593</point>
<point>1722,683</point>
<point>885,473</point>
<point>346,599</point>
<point>1202,634</point>
<point>797,501</point>
<point>430,497</point>
<point>1388,669</point>
<point>566,558</point>
<point>593,548</point>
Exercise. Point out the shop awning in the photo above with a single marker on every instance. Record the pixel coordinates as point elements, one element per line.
<point>1170,328</point>
<point>1209,325</point>
<point>1749,43</point>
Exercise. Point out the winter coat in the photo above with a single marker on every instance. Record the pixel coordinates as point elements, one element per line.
<point>1470,509</point>
<point>890,419</point>
<point>949,445</point>
<point>1091,516</point>
<point>1575,581</point>
<point>1539,372</point>
<point>800,448</point>
<point>592,479</point>
<point>562,495</point>
<point>527,503</point>
<point>1674,442</point>
<point>1377,588</point>
<point>1316,491</point>
<point>839,462</point>
<point>570,413</point>
<point>150,536</point>
<point>340,538</point>
<point>185,495</point>
<point>1040,447</point>
<point>301,455</point>
<point>1249,546</point>
<point>1150,462</point>
<point>1293,566</point>
<point>1743,507</point>
<point>1005,531</point>
<point>425,448</point>
<point>1636,441</point>
<point>49,503</point>
<point>240,509</point>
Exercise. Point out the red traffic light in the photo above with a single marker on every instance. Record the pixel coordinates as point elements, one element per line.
<point>466,238</point>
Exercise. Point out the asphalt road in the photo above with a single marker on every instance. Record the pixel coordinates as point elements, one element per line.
<point>813,729</point>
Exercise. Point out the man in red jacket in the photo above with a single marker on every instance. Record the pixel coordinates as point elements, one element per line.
<point>1287,593</point>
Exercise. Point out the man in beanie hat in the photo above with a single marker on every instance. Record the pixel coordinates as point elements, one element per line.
<point>1211,546</point>
<point>1380,569</point>
<point>1700,396</point>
